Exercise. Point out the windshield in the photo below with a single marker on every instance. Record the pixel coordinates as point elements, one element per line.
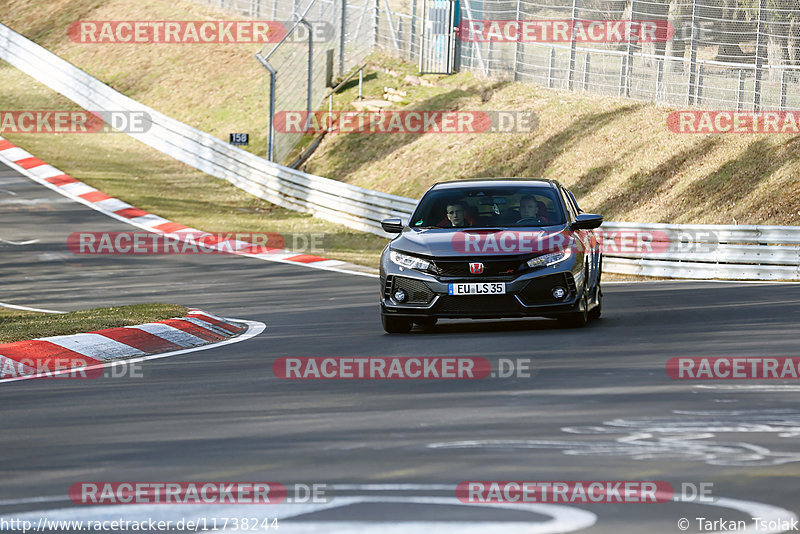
<point>488,207</point>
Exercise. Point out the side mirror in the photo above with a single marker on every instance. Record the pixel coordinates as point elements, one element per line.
<point>393,225</point>
<point>586,221</point>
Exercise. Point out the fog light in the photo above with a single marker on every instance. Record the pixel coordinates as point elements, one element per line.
<point>559,292</point>
<point>400,295</point>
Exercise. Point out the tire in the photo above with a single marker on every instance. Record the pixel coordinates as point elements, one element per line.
<point>597,310</point>
<point>396,325</point>
<point>577,319</point>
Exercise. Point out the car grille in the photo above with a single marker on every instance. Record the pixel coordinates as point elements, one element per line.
<point>477,305</point>
<point>494,267</point>
<point>540,290</point>
<point>418,292</point>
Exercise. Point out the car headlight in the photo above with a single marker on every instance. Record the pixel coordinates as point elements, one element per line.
<point>409,262</point>
<point>549,259</point>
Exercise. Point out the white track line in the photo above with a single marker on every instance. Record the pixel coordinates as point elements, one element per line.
<point>25,308</point>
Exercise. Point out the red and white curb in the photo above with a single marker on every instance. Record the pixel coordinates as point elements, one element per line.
<point>58,355</point>
<point>47,175</point>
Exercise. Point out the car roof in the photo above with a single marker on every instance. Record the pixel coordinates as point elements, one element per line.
<point>491,182</point>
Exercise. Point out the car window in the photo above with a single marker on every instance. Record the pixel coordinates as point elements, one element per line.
<point>481,206</point>
<point>574,202</point>
<point>573,214</point>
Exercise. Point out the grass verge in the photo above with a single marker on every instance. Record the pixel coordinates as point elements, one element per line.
<point>16,325</point>
<point>126,169</point>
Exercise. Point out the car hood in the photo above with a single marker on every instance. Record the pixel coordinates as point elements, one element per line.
<point>444,242</point>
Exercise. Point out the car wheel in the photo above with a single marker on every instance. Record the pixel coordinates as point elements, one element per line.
<point>597,310</point>
<point>577,319</point>
<point>396,325</point>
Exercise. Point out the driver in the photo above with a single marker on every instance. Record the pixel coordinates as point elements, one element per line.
<point>529,209</point>
<point>457,214</point>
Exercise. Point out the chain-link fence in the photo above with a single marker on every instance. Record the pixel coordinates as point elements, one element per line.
<point>324,40</point>
<point>719,54</point>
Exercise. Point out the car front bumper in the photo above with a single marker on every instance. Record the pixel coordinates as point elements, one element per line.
<point>529,295</point>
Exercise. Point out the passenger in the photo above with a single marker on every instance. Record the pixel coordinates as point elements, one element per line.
<point>529,209</point>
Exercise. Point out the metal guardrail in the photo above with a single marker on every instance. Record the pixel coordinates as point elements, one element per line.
<point>741,252</point>
<point>733,252</point>
<point>355,207</point>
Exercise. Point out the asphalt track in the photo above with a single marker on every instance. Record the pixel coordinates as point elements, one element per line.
<point>599,405</point>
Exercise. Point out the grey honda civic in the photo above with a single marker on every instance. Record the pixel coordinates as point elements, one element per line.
<point>492,248</point>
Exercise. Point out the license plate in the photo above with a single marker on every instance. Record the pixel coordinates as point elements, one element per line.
<point>485,288</point>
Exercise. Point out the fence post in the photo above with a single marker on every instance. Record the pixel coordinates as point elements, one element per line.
<point>586,67</point>
<point>343,32</point>
<point>550,67</point>
<point>740,91</point>
<point>693,55</point>
<point>518,45</point>
<point>489,57</point>
<point>391,25</point>
<point>413,30</point>
<point>271,132</point>
<point>784,87</point>
<point>621,83</point>
<point>760,49</point>
<point>572,47</point>
<point>376,22</point>
<point>659,77</point>
<point>310,81</point>
<point>629,51</point>
<point>701,74</point>
<point>476,46</point>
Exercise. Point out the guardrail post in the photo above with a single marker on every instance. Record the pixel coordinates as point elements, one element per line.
<point>760,53</point>
<point>572,47</point>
